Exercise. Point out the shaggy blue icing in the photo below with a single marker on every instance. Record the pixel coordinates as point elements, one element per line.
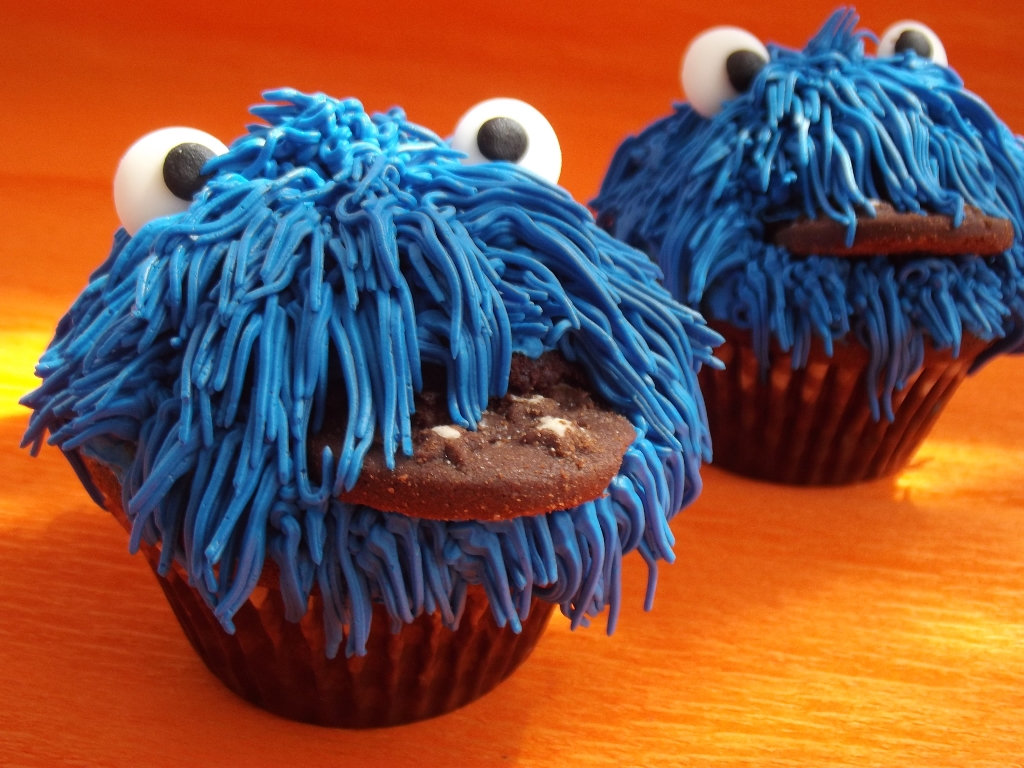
<point>824,131</point>
<point>332,240</point>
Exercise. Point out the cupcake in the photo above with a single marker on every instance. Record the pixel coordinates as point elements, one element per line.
<point>371,409</point>
<point>850,223</point>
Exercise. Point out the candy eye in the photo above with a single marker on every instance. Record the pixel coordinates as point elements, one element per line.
<point>719,65</point>
<point>510,130</point>
<point>160,173</point>
<point>913,36</point>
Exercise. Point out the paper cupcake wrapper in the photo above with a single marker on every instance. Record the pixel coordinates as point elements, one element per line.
<point>422,671</point>
<point>813,425</point>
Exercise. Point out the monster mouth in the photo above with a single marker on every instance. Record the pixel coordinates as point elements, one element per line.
<point>549,444</point>
<point>892,233</point>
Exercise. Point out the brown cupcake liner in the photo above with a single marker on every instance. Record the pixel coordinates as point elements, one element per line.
<point>813,425</point>
<point>422,671</point>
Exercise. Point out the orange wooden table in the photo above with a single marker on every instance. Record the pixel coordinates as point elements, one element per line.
<point>881,624</point>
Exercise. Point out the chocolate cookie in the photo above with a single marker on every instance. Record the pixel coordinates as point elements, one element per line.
<point>891,233</point>
<point>546,445</point>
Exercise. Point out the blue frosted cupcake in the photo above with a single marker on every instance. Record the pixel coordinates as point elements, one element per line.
<point>851,223</point>
<point>296,376</point>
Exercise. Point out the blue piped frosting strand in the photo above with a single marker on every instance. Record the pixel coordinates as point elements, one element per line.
<point>823,132</point>
<point>334,248</point>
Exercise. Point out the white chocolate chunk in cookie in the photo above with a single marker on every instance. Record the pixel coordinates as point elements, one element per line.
<point>447,432</point>
<point>553,424</point>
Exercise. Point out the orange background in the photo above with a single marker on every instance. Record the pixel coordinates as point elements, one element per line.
<point>881,624</point>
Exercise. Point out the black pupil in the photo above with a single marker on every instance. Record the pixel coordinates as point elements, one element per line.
<point>183,169</point>
<point>502,138</point>
<point>913,40</point>
<point>742,67</point>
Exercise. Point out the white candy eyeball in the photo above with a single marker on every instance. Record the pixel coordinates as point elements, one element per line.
<point>909,35</point>
<point>512,130</point>
<point>160,173</point>
<point>719,65</point>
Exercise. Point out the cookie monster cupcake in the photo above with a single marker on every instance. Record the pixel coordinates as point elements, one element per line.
<point>371,410</point>
<point>851,223</point>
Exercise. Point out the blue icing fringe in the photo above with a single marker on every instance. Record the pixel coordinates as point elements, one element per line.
<point>336,238</point>
<point>824,131</point>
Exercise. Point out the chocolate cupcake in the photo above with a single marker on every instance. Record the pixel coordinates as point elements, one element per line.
<point>851,223</point>
<point>348,391</point>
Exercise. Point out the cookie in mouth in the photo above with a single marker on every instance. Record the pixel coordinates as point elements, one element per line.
<point>547,444</point>
<point>893,233</point>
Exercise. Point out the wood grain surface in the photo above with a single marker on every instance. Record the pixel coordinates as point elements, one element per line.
<point>881,624</point>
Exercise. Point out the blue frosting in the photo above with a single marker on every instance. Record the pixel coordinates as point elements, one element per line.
<point>331,247</point>
<point>822,132</point>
